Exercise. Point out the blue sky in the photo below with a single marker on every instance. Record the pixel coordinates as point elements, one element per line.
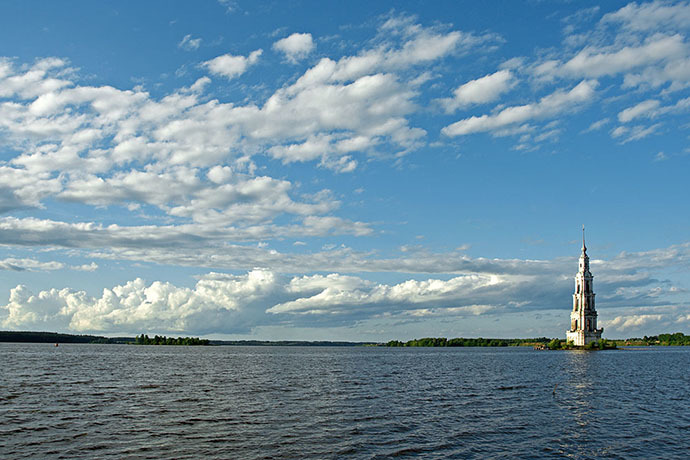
<point>342,170</point>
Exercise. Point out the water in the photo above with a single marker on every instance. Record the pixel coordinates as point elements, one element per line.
<point>112,401</point>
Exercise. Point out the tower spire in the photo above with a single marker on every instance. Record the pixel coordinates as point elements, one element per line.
<point>584,248</point>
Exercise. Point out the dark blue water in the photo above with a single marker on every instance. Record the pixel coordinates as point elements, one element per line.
<point>111,401</point>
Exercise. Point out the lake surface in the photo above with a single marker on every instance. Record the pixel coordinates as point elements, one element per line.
<point>119,401</point>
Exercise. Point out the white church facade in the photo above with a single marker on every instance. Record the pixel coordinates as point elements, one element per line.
<point>583,317</point>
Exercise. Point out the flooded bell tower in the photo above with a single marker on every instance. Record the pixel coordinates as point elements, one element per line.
<point>583,318</point>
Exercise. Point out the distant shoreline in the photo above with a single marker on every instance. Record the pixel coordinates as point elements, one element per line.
<point>677,339</point>
<point>57,337</point>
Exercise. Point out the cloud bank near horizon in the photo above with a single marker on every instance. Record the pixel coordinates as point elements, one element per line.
<point>236,304</point>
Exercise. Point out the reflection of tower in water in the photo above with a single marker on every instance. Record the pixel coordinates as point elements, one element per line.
<point>580,369</point>
<point>580,397</point>
<point>583,317</point>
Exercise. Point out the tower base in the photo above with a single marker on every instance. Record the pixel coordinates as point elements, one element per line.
<point>582,338</point>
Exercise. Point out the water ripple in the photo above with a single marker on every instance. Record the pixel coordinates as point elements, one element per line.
<point>112,402</point>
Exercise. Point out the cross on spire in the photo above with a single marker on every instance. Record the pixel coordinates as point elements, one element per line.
<point>584,248</point>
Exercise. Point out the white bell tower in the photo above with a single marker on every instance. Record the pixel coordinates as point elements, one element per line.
<point>583,318</point>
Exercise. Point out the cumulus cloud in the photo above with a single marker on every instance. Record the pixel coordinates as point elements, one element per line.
<point>482,90</point>
<point>92,267</point>
<point>20,188</point>
<point>628,322</point>
<point>104,145</point>
<point>231,66</point>
<point>213,305</point>
<point>550,105</point>
<point>224,303</point>
<point>296,46</point>
<point>336,294</point>
<point>628,290</point>
<point>221,303</point>
<point>34,82</point>
<point>182,192</point>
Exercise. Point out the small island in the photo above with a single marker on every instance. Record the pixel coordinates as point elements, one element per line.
<point>144,339</point>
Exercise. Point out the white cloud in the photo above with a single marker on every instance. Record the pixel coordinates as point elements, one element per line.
<point>331,149</point>
<point>644,43</point>
<point>92,267</point>
<point>651,16</point>
<point>548,106</point>
<point>231,66</point>
<point>189,44</point>
<point>419,46</point>
<point>651,109</point>
<point>222,303</point>
<point>593,63</point>
<point>21,188</point>
<point>104,146</point>
<point>643,108</point>
<point>34,265</point>
<point>296,46</point>
<point>624,323</point>
<point>337,294</point>
<point>208,246</point>
<point>677,72</point>
<point>634,133</point>
<point>197,244</point>
<point>13,264</point>
<point>479,91</point>
<point>182,192</point>
<point>597,125</point>
<point>34,81</point>
<point>213,305</point>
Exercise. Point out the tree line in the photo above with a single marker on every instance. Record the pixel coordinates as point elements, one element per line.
<point>144,339</point>
<point>466,342</point>
<point>677,339</point>
<point>56,337</point>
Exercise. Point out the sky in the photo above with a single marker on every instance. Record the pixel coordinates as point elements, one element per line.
<point>365,171</point>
